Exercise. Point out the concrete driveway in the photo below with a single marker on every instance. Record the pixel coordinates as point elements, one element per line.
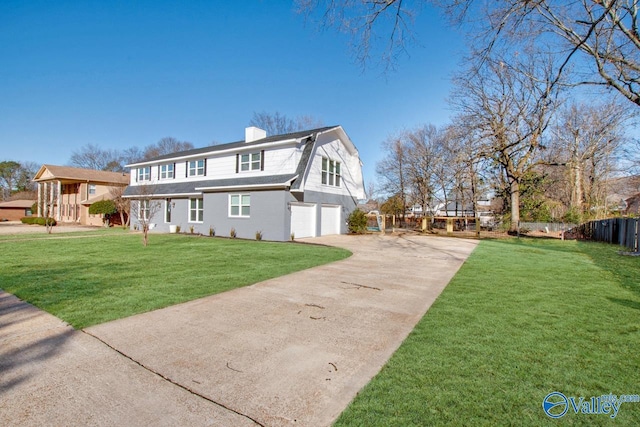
<point>293,350</point>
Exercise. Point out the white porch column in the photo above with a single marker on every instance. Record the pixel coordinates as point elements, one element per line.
<point>59,208</point>
<point>50,202</point>
<point>40,201</point>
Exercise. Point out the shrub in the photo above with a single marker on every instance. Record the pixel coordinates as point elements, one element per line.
<point>38,220</point>
<point>191,229</point>
<point>177,228</point>
<point>573,216</point>
<point>258,235</point>
<point>293,236</point>
<point>105,207</point>
<point>232,233</point>
<point>357,222</point>
<point>212,231</point>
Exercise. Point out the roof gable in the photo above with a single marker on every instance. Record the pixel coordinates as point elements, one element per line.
<point>48,172</point>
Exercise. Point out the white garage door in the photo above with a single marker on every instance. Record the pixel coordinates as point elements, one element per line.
<point>303,220</point>
<point>330,220</point>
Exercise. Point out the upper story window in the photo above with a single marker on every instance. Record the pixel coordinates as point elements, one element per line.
<point>330,172</point>
<point>166,171</point>
<point>92,189</point>
<point>144,173</point>
<point>250,162</point>
<point>196,167</point>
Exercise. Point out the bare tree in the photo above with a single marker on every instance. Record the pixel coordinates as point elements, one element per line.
<point>587,143</point>
<point>167,145</point>
<point>392,170</point>
<point>144,208</point>
<point>509,108</point>
<point>423,145</point>
<point>601,36</point>
<point>379,29</point>
<point>123,204</point>
<point>93,157</point>
<point>278,123</point>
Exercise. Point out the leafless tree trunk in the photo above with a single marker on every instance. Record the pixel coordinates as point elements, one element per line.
<point>508,108</point>
<point>392,170</point>
<point>122,204</point>
<point>144,207</point>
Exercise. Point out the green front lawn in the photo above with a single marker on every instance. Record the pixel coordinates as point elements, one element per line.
<point>521,319</point>
<point>86,279</point>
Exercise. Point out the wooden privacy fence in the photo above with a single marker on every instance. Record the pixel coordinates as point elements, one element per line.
<point>621,231</point>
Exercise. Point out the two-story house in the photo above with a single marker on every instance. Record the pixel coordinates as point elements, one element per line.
<point>70,191</point>
<point>301,184</point>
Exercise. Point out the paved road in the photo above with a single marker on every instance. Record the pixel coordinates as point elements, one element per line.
<point>288,351</point>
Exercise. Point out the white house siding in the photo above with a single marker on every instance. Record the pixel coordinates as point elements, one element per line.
<point>332,148</point>
<point>279,160</point>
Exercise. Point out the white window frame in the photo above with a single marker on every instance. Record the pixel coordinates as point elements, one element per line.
<point>250,161</point>
<point>92,189</point>
<point>198,210</point>
<point>167,171</point>
<point>243,201</point>
<point>144,210</point>
<point>195,168</point>
<point>144,173</point>
<point>331,172</point>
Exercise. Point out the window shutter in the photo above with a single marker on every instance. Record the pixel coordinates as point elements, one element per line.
<point>158,171</point>
<point>174,171</point>
<point>205,167</point>
<point>186,169</point>
<point>136,172</point>
<point>262,160</point>
<point>237,162</point>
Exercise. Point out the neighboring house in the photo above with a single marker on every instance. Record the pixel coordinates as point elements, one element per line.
<point>303,184</point>
<point>72,190</point>
<point>14,210</point>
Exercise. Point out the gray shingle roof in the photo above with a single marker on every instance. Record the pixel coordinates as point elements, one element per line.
<point>186,188</point>
<point>239,144</point>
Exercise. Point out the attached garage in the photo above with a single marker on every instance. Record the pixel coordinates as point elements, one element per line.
<point>330,220</point>
<point>303,220</point>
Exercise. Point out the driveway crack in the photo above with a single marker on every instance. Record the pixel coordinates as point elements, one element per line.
<point>188,389</point>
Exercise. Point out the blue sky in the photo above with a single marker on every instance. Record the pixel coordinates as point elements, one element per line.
<point>119,74</point>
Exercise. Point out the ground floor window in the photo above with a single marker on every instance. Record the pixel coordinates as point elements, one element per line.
<point>240,205</point>
<point>196,210</point>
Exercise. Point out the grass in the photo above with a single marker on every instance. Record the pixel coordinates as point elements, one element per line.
<point>90,278</point>
<point>521,319</point>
